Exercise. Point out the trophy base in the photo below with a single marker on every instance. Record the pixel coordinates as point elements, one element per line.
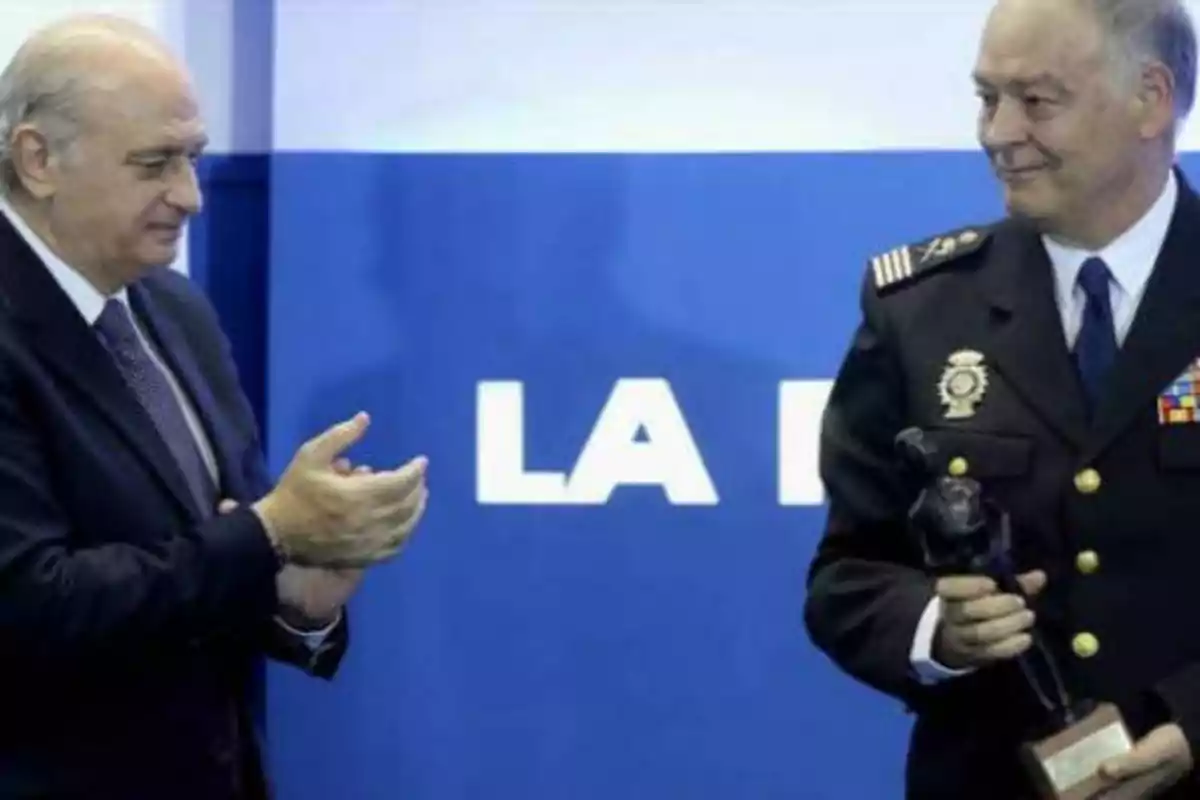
<point>1065,765</point>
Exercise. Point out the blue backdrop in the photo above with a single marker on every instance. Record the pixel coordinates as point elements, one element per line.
<point>636,649</point>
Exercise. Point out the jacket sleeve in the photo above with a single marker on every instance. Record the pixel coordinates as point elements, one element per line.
<point>1177,699</point>
<point>283,646</point>
<point>270,638</point>
<point>866,586</point>
<point>277,642</point>
<point>60,600</point>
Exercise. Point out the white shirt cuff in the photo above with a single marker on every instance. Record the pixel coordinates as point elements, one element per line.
<point>312,639</point>
<point>927,670</point>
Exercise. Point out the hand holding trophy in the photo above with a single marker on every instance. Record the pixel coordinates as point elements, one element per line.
<point>963,534</point>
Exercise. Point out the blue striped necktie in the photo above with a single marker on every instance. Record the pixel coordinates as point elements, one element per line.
<point>1096,347</point>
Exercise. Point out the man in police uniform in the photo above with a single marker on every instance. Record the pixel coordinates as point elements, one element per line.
<point>1055,357</point>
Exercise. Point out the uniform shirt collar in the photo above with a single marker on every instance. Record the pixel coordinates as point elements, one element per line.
<point>1130,257</point>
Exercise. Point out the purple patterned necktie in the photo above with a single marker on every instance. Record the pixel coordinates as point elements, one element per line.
<point>148,382</point>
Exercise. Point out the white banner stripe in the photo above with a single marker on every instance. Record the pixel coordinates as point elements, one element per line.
<point>609,76</point>
<point>720,75</point>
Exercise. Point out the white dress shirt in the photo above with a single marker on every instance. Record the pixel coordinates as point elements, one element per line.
<point>90,303</point>
<point>1130,259</point>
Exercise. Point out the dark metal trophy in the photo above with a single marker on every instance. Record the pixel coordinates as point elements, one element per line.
<point>963,533</point>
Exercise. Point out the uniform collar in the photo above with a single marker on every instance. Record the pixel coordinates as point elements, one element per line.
<point>1130,257</point>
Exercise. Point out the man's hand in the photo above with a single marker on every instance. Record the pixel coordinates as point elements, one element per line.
<point>321,516</point>
<point>311,597</point>
<point>979,625</point>
<point>1165,748</point>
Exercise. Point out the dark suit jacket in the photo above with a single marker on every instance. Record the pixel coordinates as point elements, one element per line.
<point>1030,437</point>
<point>131,626</point>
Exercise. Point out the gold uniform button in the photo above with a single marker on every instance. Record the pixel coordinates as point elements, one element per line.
<point>1087,481</point>
<point>1085,645</point>
<point>958,467</point>
<point>1087,562</point>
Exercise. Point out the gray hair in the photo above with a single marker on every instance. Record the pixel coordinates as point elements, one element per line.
<point>52,98</point>
<point>49,79</point>
<point>1153,30</point>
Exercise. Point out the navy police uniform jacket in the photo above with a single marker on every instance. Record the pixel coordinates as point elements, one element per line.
<point>1107,502</point>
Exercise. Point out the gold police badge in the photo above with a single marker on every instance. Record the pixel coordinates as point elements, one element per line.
<point>964,380</point>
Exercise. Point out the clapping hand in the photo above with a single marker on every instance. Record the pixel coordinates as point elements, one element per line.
<point>322,516</point>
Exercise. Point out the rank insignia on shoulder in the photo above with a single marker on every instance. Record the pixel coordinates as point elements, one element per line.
<point>898,266</point>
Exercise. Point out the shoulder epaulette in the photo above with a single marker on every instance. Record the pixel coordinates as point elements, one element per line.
<point>901,265</point>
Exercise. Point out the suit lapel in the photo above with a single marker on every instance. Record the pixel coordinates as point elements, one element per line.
<point>175,351</point>
<point>1026,341</point>
<point>71,350</point>
<point>1165,335</point>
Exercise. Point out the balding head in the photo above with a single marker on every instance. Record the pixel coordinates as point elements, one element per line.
<point>72,67</point>
<point>92,40</point>
<point>98,131</point>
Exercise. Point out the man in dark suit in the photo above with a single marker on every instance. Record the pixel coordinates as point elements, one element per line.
<point>146,561</point>
<point>1052,356</point>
